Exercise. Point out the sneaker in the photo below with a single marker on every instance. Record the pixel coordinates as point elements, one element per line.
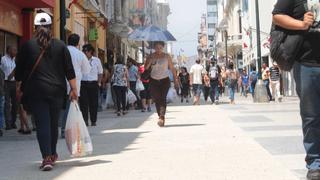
<point>313,174</point>
<point>47,164</point>
<point>149,109</point>
<point>93,124</point>
<point>54,158</point>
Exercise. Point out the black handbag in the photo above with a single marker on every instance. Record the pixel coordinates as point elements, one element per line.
<point>285,47</point>
<point>146,74</point>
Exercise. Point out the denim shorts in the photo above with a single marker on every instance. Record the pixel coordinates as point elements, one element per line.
<point>197,89</point>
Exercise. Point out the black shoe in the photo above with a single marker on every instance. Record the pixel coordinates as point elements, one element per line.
<point>20,131</point>
<point>1,133</point>
<point>14,126</point>
<point>93,124</point>
<point>26,132</point>
<point>119,113</point>
<point>313,174</point>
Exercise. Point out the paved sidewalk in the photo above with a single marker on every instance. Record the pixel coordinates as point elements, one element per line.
<point>245,141</point>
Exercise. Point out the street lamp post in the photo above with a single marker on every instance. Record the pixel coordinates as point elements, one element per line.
<point>63,20</point>
<point>226,41</point>
<point>260,95</point>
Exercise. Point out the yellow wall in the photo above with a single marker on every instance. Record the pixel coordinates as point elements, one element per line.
<point>79,23</point>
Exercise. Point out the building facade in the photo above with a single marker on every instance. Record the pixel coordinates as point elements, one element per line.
<point>16,21</point>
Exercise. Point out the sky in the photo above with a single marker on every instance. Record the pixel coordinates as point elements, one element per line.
<point>184,24</point>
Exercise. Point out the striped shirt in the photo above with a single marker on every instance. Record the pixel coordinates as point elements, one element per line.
<point>274,74</point>
<point>8,64</point>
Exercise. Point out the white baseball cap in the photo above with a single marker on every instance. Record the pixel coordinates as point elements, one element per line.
<point>42,19</point>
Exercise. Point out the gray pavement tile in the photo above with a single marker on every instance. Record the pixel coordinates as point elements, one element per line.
<point>272,128</point>
<point>282,145</point>
<point>250,119</point>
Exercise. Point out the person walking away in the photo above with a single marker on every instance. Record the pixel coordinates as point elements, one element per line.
<point>104,87</point>
<point>245,83</point>
<point>81,67</point>
<point>293,16</point>
<point>206,86</point>
<point>266,79</point>
<point>43,65</point>
<point>90,84</point>
<point>253,77</point>
<point>197,72</point>
<point>232,77</point>
<point>133,77</point>
<point>120,85</point>
<point>8,66</point>
<point>184,81</point>
<point>145,94</point>
<point>214,74</point>
<point>275,82</point>
<point>160,64</point>
<point>2,84</point>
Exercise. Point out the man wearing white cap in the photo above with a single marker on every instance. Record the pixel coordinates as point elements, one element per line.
<point>275,82</point>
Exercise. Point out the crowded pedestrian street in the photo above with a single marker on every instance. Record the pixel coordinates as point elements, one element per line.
<point>232,142</point>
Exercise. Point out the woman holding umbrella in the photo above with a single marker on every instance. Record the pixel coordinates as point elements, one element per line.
<point>160,64</point>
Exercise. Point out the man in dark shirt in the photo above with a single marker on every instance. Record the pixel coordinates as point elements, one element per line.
<point>296,16</point>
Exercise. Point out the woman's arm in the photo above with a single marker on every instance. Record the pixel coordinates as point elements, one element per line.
<point>290,23</point>
<point>173,70</point>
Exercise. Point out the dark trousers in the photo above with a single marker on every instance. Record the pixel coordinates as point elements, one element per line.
<point>89,97</point>
<point>46,113</point>
<point>214,90</point>
<point>308,88</point>
<point>10,104</point>
<point>267,83</point>
<point>206,91</point>
<point>121,97</point>
<point>159,90</point>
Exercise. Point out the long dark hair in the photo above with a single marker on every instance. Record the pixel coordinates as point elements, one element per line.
<point>43,36</point>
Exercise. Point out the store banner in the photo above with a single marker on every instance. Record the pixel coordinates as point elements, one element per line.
<point>10,19</point>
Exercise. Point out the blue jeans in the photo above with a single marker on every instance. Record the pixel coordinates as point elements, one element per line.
<point>1,111</point>
<point>214,90</point>
<point>267,83</point>
<point>308,88</point>
<point>231,92</point>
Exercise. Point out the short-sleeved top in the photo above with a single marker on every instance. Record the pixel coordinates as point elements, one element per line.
<point>96,70</point>
<point>310,51</point>
<point>197,71</point>
<point>49,78</point>
<point>160,69</point>
<point>133,73</point>
<point>8,65</point>
<point>119,75</point>
<point>274,74</point>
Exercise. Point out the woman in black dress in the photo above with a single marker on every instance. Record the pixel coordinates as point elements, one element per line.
<point>184,79</point>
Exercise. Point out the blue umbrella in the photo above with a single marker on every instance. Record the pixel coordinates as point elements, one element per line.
<point>151,33</point>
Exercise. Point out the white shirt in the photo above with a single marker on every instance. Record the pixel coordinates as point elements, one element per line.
<point>196,72</point>
<point>96,70</point>
<point>80,64</point>
<point>8,64</point>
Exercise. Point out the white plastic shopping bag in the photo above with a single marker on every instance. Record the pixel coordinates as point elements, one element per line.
<point>131,97</point>
<point>172,95</point>
<point>76,133</point>
<point>139,85</point>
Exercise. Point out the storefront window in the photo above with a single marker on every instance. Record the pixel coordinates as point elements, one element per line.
<point>7,39</point>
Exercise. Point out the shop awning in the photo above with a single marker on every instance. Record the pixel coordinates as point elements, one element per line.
<point>33,3</point>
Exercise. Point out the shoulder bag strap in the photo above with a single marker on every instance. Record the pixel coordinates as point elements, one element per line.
<point>36,64</point>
